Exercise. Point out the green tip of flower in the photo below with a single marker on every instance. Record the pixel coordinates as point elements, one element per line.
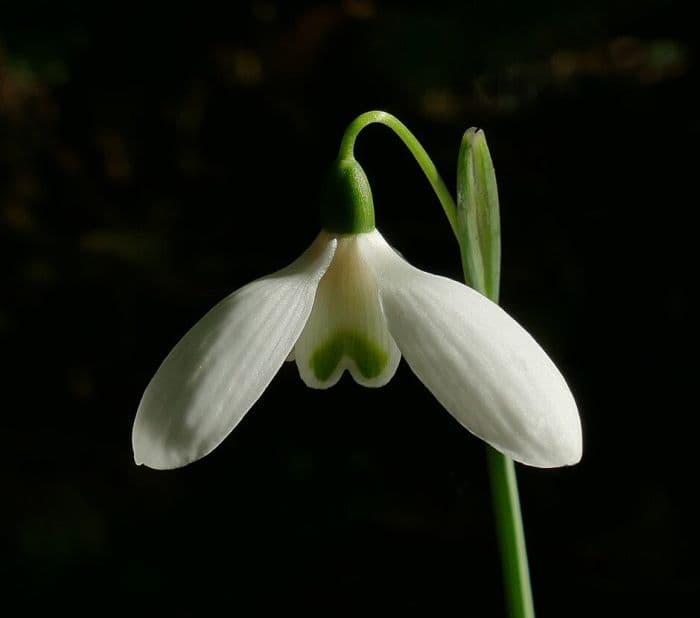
<point>346,202</point>
<point>368,356</point>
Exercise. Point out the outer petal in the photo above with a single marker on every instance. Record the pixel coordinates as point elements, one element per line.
<point>347,328</point>
<point>220,368</point>
<point>480,364</point>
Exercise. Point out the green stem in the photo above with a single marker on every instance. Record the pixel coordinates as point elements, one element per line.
<point>419,154</point>
<point>511,536</point>
<point>504,485</point>
<point>509,523</point>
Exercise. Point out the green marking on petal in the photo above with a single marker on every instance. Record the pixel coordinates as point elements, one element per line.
<point>368,356</point>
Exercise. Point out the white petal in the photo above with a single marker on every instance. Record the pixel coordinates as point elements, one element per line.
<point>220,368</point>
<point>479,363</point>
<point>347,328</point>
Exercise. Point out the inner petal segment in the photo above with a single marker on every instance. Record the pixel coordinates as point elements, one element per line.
<point>347,328</point>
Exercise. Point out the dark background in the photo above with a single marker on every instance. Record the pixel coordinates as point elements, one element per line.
<point>154,159</point>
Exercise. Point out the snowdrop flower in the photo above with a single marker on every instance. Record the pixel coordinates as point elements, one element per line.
<point>351,303</point>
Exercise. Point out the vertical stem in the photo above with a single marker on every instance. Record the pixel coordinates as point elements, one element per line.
<point>509,521</point>
<point>511,536</point>
<point>504,485</point>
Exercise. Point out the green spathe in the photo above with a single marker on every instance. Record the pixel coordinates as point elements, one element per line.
<point>368,356</point>
<point>478,218</point>
<point>346,201</point>
<point>479,236</point>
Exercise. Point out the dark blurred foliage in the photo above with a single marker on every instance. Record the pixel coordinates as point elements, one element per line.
<point>154,158</point>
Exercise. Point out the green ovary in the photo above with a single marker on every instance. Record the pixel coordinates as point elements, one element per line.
<point>368,356</point>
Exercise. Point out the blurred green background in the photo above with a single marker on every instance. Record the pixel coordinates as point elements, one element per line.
<point>154,158</point>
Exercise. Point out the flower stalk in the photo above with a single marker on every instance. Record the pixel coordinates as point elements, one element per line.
<point>475,222</point>
<point>479,235</point>
<point>511,535</point>
<point>424,161</point>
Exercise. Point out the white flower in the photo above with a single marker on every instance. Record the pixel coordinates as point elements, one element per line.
<point>350,302</point>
